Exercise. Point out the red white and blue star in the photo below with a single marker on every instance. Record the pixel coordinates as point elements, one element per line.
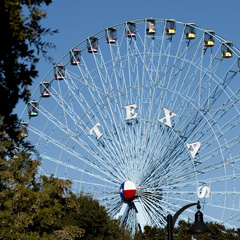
<point>128,190</point>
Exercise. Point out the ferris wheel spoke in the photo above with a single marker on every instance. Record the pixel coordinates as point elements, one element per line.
<point>102,70</point>
<point>152,97</point>
<point>191,70</point>
<point>223,149</point>
<point>152,68</point>
<point>71,113</point>
<point>172,208</point>
<point>147,127</point>
<point>155,212</point>
<point>171,154</point>
<point>106,188</point>
<point>110,196</point>
<point>92,187</point>
<point>100,177</point>
<point>177,181</point>
<point>79,98</point>
<point>180,62</point>
<point>218,114</point>
<point>88,79</point>
<point>108,170</point>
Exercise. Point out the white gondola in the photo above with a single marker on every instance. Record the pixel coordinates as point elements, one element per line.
<point>75,56</point>
<point>92,44</point>
<point>45,89</point>
<point>170,27</point>
<point>59,71</point>
<point>190,31</point>
<point>151,30</point>
<point>111,35</point>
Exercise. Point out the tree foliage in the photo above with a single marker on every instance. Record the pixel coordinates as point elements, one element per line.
<point>34,209</point>
<point>21,42</point>
<point>218,232</point>
<point>152,233</point>
<point>93,218</point>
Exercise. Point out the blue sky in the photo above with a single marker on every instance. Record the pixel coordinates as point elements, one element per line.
<point>78,19</point>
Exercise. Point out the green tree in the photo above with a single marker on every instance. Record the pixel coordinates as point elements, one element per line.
<point>94,219</point>
<point>218,232</point>
<point>151,233</point>
<point>21,42</point>
<point>34,209</point>
<point>180,232</point>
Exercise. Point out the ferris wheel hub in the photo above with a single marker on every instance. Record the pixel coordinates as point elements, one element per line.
<point>128,190</point>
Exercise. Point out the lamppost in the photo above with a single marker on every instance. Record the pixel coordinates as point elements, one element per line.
<point>197,228</point>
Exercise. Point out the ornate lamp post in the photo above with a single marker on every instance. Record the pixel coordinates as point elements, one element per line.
<point>197,228</point>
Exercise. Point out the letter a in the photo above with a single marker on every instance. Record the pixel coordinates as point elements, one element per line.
<point>195,147</point>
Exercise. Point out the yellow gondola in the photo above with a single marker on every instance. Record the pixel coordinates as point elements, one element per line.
<point>209,43</point>
<point>190,31</point>
<point>227,54</point>
<point>151,30</point>
<point>226,49</point>
<point>170,27</point>
<point>209,38</point>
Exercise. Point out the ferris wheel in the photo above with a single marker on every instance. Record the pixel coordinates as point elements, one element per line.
<point>144,116</point>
